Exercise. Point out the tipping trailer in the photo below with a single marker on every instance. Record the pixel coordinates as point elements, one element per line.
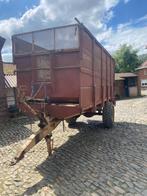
<point>62,73</point>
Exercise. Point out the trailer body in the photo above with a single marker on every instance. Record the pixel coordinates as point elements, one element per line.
<point>64,71</point>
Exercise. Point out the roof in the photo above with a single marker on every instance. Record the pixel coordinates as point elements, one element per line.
<point>142,66</point>
<point>122,76</point>
<point>10,81</point>
<point>117,77</point>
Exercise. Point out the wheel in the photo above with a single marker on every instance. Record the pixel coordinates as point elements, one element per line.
<point>108,115</point>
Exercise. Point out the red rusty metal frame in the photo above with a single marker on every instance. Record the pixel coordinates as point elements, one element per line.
<point>62,111</point>
<point>51,111</point>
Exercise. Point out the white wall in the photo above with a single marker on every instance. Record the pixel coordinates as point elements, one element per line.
<point>10,96</point>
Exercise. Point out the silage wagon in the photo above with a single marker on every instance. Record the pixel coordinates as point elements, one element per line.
<point>62,73</point>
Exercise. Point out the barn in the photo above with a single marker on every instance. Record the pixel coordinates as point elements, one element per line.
<point>126,85</point>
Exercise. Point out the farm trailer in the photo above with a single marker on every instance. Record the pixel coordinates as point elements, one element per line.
<point>62,73</point>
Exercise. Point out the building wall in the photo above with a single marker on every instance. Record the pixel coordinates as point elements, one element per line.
<point>127,88</point>
<point>133,91</point>
<point>142,74</point>
<point>119,88</point>
<point>134,88</point>
<point>3,104</point>
<point>11,100</point>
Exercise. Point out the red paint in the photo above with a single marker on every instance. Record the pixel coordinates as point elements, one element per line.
<point>73,81</point>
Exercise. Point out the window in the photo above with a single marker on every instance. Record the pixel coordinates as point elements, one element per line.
<point>144,83</point>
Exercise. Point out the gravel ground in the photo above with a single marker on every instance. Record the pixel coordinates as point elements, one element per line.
<point>88,159</point>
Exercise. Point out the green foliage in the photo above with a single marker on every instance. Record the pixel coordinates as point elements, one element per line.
<point>126,59</point>
<point>143,58</point>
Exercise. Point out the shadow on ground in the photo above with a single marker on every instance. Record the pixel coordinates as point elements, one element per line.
<point>13,130</point>
<point>91,158</point>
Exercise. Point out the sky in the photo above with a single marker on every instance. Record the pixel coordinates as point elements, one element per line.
<point>113,22</point>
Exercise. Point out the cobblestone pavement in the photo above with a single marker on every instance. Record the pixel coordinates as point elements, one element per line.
<point>89,160</point>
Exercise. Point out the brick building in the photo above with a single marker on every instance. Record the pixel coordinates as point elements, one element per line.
<point>3,103</point>
<point>10,89</point>
<point>142,74</point>
<point>126,85</point>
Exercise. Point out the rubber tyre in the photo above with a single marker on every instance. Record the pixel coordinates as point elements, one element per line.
<point>108,115</point>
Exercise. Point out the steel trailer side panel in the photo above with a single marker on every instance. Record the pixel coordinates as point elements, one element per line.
<point>82,76</point>
<point>86,73</point>
<point>66,76</point>
<point>97,74</point>
<point>24,74</point>
<point>108,78</point>
<point>49,76</point>
<point>112,79</point>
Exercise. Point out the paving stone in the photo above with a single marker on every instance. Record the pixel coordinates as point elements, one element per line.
<point>145,170</point>
<point>88,160</point>
<point>7,183</point>
<point>138,185</point>
<point>118,189</point>
<point>144,193</point>
<point>130,184</point>
<point>128,194</point>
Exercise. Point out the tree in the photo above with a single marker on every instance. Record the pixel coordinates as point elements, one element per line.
<point>143,58</point>
<point>126,59</point>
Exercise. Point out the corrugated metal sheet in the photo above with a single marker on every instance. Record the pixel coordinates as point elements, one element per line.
<point>10,81</point>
